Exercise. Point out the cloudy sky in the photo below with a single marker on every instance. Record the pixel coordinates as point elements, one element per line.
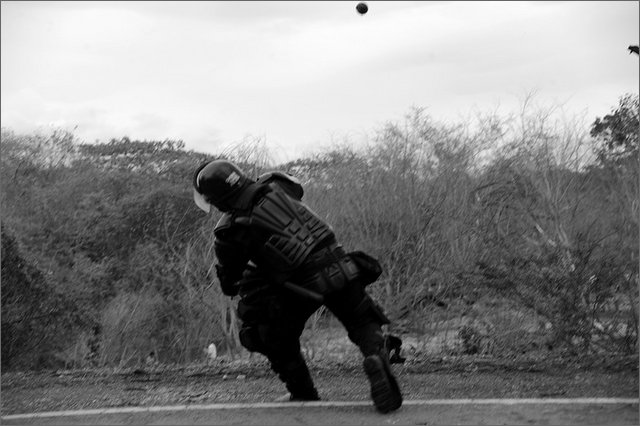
<point>300,75</point>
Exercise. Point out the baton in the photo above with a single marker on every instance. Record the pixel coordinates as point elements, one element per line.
<point>304,292</point>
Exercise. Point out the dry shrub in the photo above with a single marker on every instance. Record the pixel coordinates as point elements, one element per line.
<point>127,324</point>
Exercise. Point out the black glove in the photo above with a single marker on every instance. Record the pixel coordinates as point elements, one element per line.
<point>227,284</point>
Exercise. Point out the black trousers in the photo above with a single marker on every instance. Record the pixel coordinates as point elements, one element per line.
<point>273,319</point>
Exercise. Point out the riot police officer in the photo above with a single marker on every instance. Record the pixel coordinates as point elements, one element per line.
<point>285,262</point>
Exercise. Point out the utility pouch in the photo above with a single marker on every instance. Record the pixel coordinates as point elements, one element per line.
<point>370,268</point>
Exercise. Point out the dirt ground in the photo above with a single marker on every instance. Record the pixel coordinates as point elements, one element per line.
<point>250,380</point>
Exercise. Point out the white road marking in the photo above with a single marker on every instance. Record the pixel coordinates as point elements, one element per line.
<point>233,406</point>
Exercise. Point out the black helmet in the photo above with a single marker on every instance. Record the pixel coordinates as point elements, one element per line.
<point>218,183</point>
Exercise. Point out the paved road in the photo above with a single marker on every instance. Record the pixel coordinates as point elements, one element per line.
<point>592,411</point>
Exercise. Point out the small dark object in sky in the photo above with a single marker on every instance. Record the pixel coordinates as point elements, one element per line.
<point>633,49</point>
<point>362,8</point>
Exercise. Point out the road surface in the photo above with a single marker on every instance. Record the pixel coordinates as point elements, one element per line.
<point>579,411</point>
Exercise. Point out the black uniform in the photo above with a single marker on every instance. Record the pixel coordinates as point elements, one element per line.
<point>285,262</point>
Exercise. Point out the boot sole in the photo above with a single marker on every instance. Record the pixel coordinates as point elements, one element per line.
<point>384,388</point>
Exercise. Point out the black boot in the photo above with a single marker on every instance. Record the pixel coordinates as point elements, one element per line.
<point>299,383</point>
<point>308,396</point>
<point>385,391</point>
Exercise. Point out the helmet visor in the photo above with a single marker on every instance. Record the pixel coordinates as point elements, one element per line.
<point>200,202</point>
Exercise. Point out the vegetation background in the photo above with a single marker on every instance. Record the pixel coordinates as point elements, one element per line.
<point>501,235</point>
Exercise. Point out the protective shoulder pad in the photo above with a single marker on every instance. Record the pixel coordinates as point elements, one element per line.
<point>285,181</point>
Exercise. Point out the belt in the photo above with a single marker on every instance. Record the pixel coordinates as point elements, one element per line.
<point>324,261</point>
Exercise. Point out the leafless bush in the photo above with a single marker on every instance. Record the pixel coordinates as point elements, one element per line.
<point>252,154</point>
<point>508,211</point>
<point>551,242</point>
<point>407,200</point>
<point>509,206</point>
<point>128,322</point>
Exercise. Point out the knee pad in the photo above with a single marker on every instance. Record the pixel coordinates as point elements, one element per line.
<point>250,338</point>
<point>251,313</point>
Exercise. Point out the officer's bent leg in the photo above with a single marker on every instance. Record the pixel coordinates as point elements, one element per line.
<point>275,332</point>
<point>361,317</point>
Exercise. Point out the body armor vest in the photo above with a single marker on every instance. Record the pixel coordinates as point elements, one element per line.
<point>291,228</point>
<point>295,231</point>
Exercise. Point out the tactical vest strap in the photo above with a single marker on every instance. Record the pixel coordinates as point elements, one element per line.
<point>224,223</point>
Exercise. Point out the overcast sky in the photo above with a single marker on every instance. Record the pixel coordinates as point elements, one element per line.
<point>302,74</point>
